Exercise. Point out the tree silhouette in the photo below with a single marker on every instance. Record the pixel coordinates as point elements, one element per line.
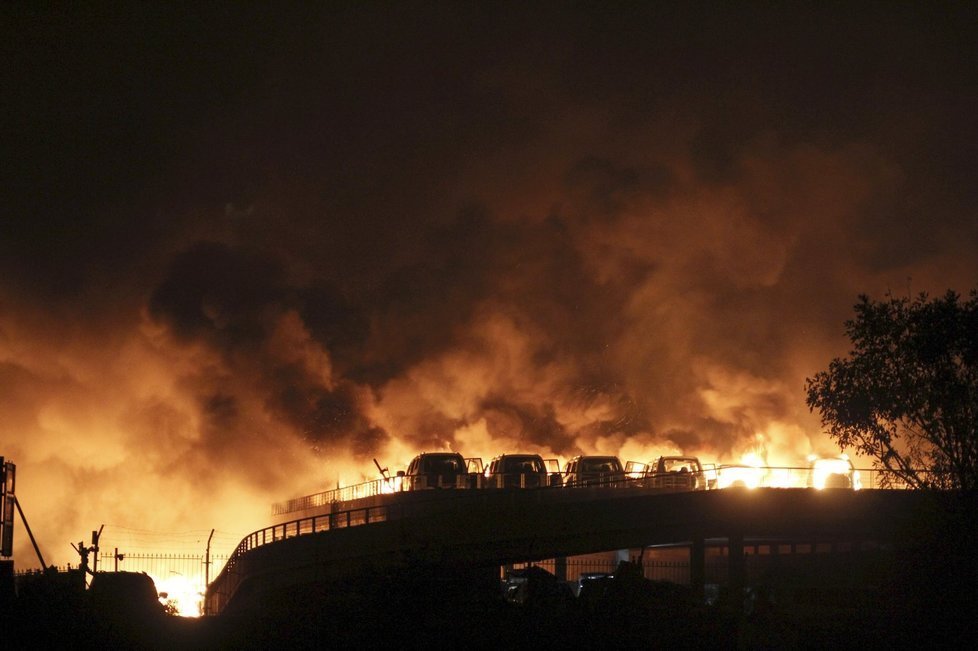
<point>907,394</point>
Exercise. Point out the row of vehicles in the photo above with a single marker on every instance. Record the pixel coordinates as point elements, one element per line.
<point>682,473</point>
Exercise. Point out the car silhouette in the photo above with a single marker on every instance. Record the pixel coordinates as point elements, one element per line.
<point>594,471</point>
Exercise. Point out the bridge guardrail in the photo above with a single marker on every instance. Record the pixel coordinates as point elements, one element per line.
<point>229,579</point>
<point>766,476</point>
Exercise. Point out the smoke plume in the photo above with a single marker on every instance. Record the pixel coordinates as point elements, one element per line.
<point>246,254</point>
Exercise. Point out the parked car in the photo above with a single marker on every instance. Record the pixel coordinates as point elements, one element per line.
<point>534,586</point>
<point>126,596</point>
<point>739,476</point>
<point>435,470</point>
<point>587,581</point>
<point>678,473</point>
<point>832,472</point>
<point>519,471</point>
<point>594,471</point>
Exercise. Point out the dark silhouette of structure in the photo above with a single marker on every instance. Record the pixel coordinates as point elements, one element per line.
<point>487,529</point>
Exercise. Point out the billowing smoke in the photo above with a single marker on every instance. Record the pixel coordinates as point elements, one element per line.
<point>240,271</point>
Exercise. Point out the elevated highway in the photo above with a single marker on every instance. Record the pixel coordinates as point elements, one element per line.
<point>488,528</point>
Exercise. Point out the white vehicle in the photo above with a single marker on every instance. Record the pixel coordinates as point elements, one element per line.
<point>738,476</point>
<point>677,473</point>
<point>832,472</point>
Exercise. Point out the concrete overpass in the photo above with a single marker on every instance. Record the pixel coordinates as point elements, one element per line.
<point>489,528</point>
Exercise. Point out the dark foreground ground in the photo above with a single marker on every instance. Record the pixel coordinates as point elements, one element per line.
<point>628,612</point>
<point>922,594</point>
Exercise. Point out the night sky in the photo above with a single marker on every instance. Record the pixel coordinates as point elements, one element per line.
<point>245,249</point>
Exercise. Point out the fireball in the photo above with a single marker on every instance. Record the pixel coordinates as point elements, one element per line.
<point>833,472</point>
<point>738,476</point>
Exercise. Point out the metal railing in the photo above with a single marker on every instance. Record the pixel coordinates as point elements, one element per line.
<point>51,569</point>
<point>710,477</point>
<point>401,483</point>
<point>344,494</point>
<point>229,578</point>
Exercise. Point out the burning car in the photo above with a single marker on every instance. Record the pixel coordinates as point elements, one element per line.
<point>739,476</point>
<point>832,472</point>
<point>677,473</point>
<point>519,471</point>
<point>594,471</point>
<point>435,470</point>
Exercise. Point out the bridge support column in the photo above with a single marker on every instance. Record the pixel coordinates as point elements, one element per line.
<point>697,566</point>
<point>560,568</point>
<point>622,556</point>
<point>736,567</point>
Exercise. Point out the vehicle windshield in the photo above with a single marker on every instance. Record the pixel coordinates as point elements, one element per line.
<point>523,465</point>
<point>601,464</point>
<point>443,465</point>
<point>679,465</point>
<point>837,472</point>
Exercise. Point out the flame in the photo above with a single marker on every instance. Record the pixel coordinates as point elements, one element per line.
<point>748,475</point>
<point>182,592</point>
<point>392,485</point>
<point>825,470</point>
<point>752,459</point>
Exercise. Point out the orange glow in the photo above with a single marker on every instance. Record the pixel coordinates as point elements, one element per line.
<point>182,592</point>
<point>781,478</point>
<point>835,472</point>
<point>130,431</point>
<point>739,476</point>
<point>392,484</point>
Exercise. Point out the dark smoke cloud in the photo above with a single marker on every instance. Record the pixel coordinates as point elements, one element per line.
<point>243,254</point>
<point>220,294</point>
<point>536,425</point>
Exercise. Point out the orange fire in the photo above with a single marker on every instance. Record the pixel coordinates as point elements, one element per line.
<point>182,593</point>
<point>834,472</point>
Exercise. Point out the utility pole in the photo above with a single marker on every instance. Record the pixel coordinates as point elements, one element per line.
<point>7,500</point>
<point>84,551</point>
<point>207,561</point>
<point>207,573</point>
<point>95,538</point>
